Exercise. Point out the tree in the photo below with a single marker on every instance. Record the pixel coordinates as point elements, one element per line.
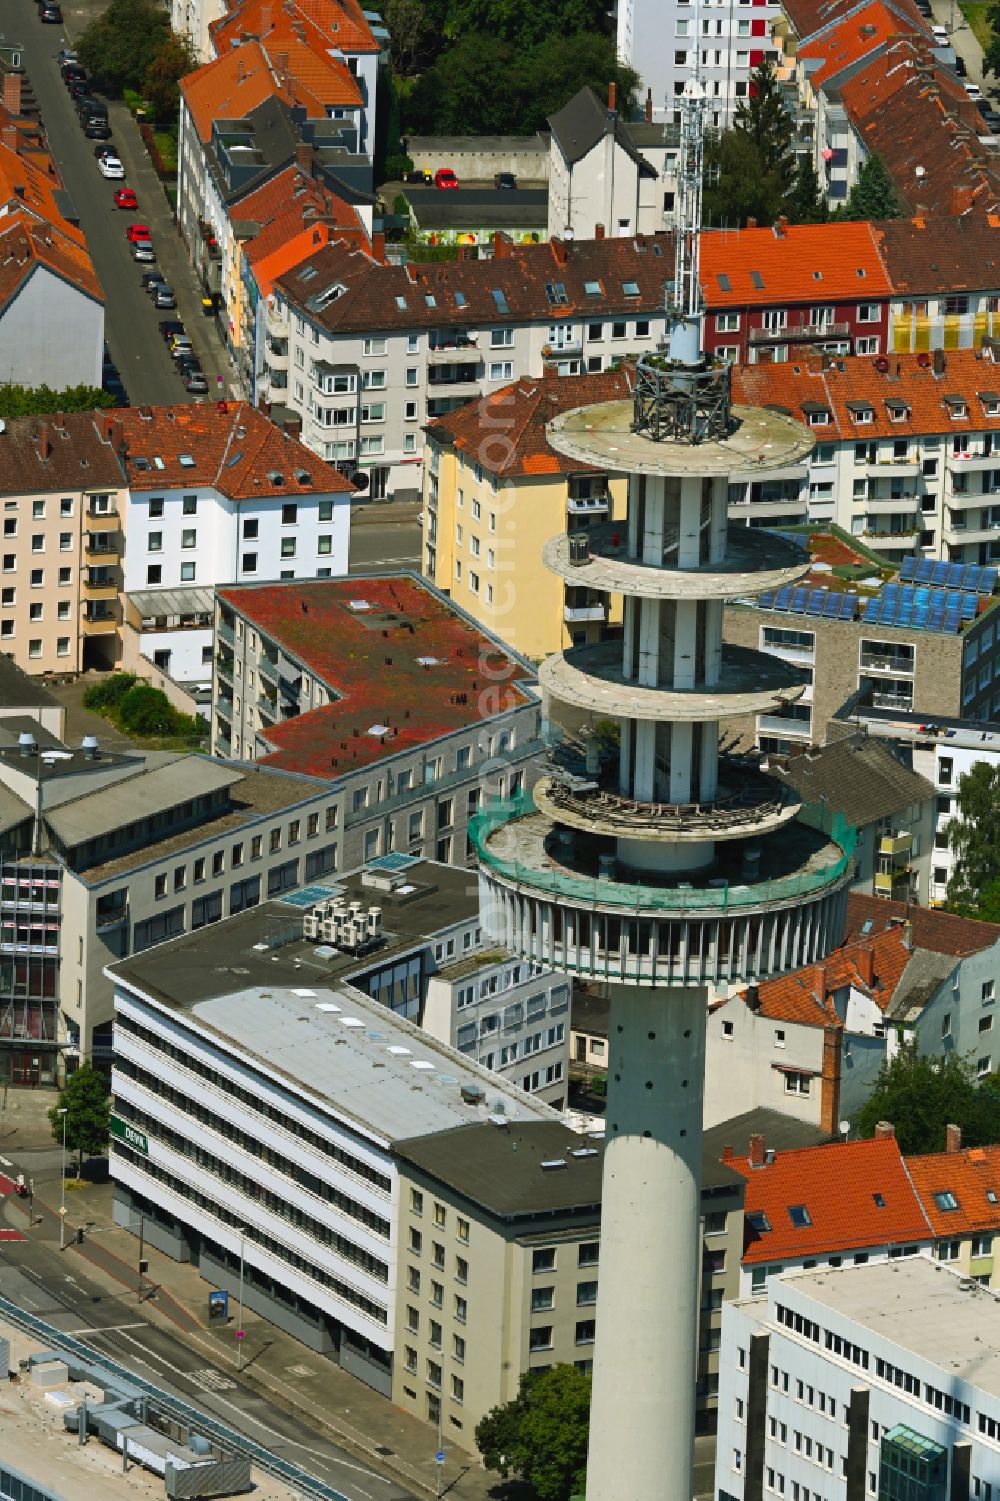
<point>88,1108</point>
<point>974,836</point>
<point>991,54</point>
<point>805,203</point>
<point>526,25</point>
<point>29,401</point>
<point>541,1435</point>
<point>874,194</point>
<point>411,36</point>
<point>921,1095</point>
<point>738,187</point>
<point>168,65</point>
<point>763,118</point>
<point>119,45</point>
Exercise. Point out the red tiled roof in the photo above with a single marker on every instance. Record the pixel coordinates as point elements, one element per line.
<point>802,263</point>
<point>806,995</point>
<point>837,1186</point>
<point>526,407</point>
<point>810,16</point>
<point>324,23</point>
<point>231,445</point>
<point>27,244</point>
<point>297,217</point>
<point>941,932</point>
<point>942,254</point>
<point>372,660</point>
<point>378,296</point>
<point>229,87</point>
<point>854,36</point>
<point>907,378</point>
<point>970,1176</point>
<point>25,186</point>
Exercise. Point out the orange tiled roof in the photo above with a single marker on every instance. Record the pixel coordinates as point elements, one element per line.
<point>27,244</point>
<point>297,216</point>
<point>855,36</point>
<point>525,407</point>
<point>907,379</point>
<point>25,185</point>
<point>229,87</point>
<point>840,1187</point>
<point>231,445</point>
<point>941,932</point>
<point>803,263</point>
<point>806,995</point>
<point>325,23</point>
<point>971,1177</point>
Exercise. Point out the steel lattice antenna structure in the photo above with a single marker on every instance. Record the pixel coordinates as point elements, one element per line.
<point>665,868</point>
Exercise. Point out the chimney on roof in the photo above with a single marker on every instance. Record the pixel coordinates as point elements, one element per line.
<point>727,1153</point>
<point>59,422</point>
<point>752,997</point>
<point>908,935</point>
<point>781,227</point>
<point>756,1151</point>
<point>649,106</point>
<point>378,247</point>
<point>44,441</point>
<point>11,97</point>
<point>864,962</point>
<point>281,63</point>
<point>265,19</point>
<point>751,223</point>
<point>560,250</point>
<point>599,231</point>
<point>503,245</point>
<point>241,70</point>
<point>9,137</point>
<point>819,982</point>
<point>962,197</point>
<point>612,98</point>
<point>952,1139</point>
<point>940,364</point>
<point>293,426</point>
<point>304,157</point>
<point>885,1128</point>
<point>264,406</point>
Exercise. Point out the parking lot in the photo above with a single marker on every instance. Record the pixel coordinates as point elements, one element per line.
<point>131,320</point>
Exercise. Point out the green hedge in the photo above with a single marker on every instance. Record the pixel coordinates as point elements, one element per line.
<point>139,709</point>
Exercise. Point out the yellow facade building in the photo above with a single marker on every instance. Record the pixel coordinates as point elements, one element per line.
<point>495,492</point>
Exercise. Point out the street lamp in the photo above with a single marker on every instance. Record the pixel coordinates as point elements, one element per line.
<point>62,1206</point>
<point>239,1326</point>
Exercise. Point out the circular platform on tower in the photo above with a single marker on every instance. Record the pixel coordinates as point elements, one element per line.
<point>755,561</point>
<point>592,678</point>
<point>602,436</point>
<point>754,806</point>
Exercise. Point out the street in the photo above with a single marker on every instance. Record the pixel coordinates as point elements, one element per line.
<point>131,321</point>
<point>385,535</point>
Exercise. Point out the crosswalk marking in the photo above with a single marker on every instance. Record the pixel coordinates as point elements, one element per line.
<point>212,1381</point>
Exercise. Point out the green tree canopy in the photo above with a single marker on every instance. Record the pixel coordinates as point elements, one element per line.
<point>508,89</point>
<point>541,1436</point>
<point>991,53</point>
<point>763,119</point>
<point>737,185</point>
<point>119,46</point>
<point>922,1095</point>
<point>806,203</point>
<point>874,195</point>
<point>27,401</point>
<point>974,836</point>
<point>88,1107</point>
<point>168,65</point>
<point>525,25</point>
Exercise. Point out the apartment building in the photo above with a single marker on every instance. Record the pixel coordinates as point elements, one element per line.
<point>855,1382</point>
<point>769,291</point>
<point>366,353</point>
<point>216,494</point>
<point>959,1191</point>
<point>386,690</point>
<point>928,663</point>
<point>667,44</point>
<point>495,492</point>
<point>63,497</point>
<point>906,451</point>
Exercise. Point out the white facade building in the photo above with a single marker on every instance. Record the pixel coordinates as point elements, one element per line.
<point>850,1383</point>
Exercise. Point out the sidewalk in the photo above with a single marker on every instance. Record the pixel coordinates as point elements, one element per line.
<point>287,1372</point>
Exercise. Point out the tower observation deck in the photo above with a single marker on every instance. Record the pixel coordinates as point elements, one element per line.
<point>666,867</point>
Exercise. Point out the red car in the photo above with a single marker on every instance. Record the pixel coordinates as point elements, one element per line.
<point>125,198</point>
<point>137,232</point>
<point>445,177</point>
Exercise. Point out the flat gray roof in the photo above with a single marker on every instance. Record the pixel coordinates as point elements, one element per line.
<point>132,798</point>
<point>524,1168</point>
<point>920,1305</point>
<point>19,691</point>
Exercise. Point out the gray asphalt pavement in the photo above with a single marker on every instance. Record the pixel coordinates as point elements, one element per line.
<point>385,535</point>
<point>131,321</point>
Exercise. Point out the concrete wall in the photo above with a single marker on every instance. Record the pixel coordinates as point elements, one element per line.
<point>478,159</point>
<point>51,334</point>
<point>134,660</point>
<point>740,1072</point>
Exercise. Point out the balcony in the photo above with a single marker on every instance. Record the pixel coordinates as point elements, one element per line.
<point>892,883</point>
<point>102,520</point>
<point>901,702</point>
<point>98,621</point>
<point>580,613</point>
<point>980,530</point>
<point>268,669</point>
<point>459,351</point>
<point>277,348</point>
<point>224,669</point>
<point>101,583</point>
<point>971,463</point>
<point>223,730</point>
<point>888,505</point>
<point>961,500</point>
<point>884,662</point>
<point>224,705</point>
<point>110,917</point>
<point>896,846</point>
<point>102,544</point>
<point>800,332</point>
<point>568,347</point>
<point>905,468</point>
<point>225,632</point>
<point>453,381</point>
<point>588,505</point>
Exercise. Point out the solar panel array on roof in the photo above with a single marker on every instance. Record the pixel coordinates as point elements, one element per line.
<point>965,576</point>
<point>921,608</point>
<point>831,604</point>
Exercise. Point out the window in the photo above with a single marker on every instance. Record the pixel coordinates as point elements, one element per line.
<point>585,1331</point>
<point>727,1029</point>
<point>945,1200</point>
<point>982,1245</point>
<point>461,1309</point>
<point>988,992</point>
<point>462,1230</point>
<point>543,1260</point>
<point>586,1292</point>
<point>461,1269</point>
<point>727,323</point>
<point>541,1338</point>
<point>154,542</point>
<point>797,1083</point>
<point>501,370</point>
<point>799,1216</point>
<point>189,538</point>
<point>189,506</point>
<point>288,547</point>
<point>187,573</point>
<point>542,1299</point>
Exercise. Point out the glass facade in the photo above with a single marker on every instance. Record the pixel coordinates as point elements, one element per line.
<point>911,1468</point>
<point>29,973</point>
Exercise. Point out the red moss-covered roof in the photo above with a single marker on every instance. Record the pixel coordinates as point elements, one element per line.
<point>970,1177</point>
<point>872,965</point>
<point>409,665</point>
<point>839,1187</point>
<point>941,932</point>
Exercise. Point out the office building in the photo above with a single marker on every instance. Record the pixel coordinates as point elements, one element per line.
<point>387,691</point>
<point>863,1381</point>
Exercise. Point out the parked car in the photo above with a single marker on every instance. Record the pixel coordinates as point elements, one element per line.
<point>65,55</point>
<point>188,364</point>
<point>973,90</point>
<point>98,130</point>
<point>74,73</point>
<point>196,383</point>
<point>164,296</point>
<point>505,180</point>
<point>419,176</point>
<point>151,279</point>
<point>445,177</point>
<point>940,35</point>
<point>50,14</point>
<point>77,87</point>
<point>138,232</point>
<point>142,250</point>
<point>109,166</point>
<point>169,327</point>
<point>180,344</point>
<point>125,198</point>
<point>102,149</point>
